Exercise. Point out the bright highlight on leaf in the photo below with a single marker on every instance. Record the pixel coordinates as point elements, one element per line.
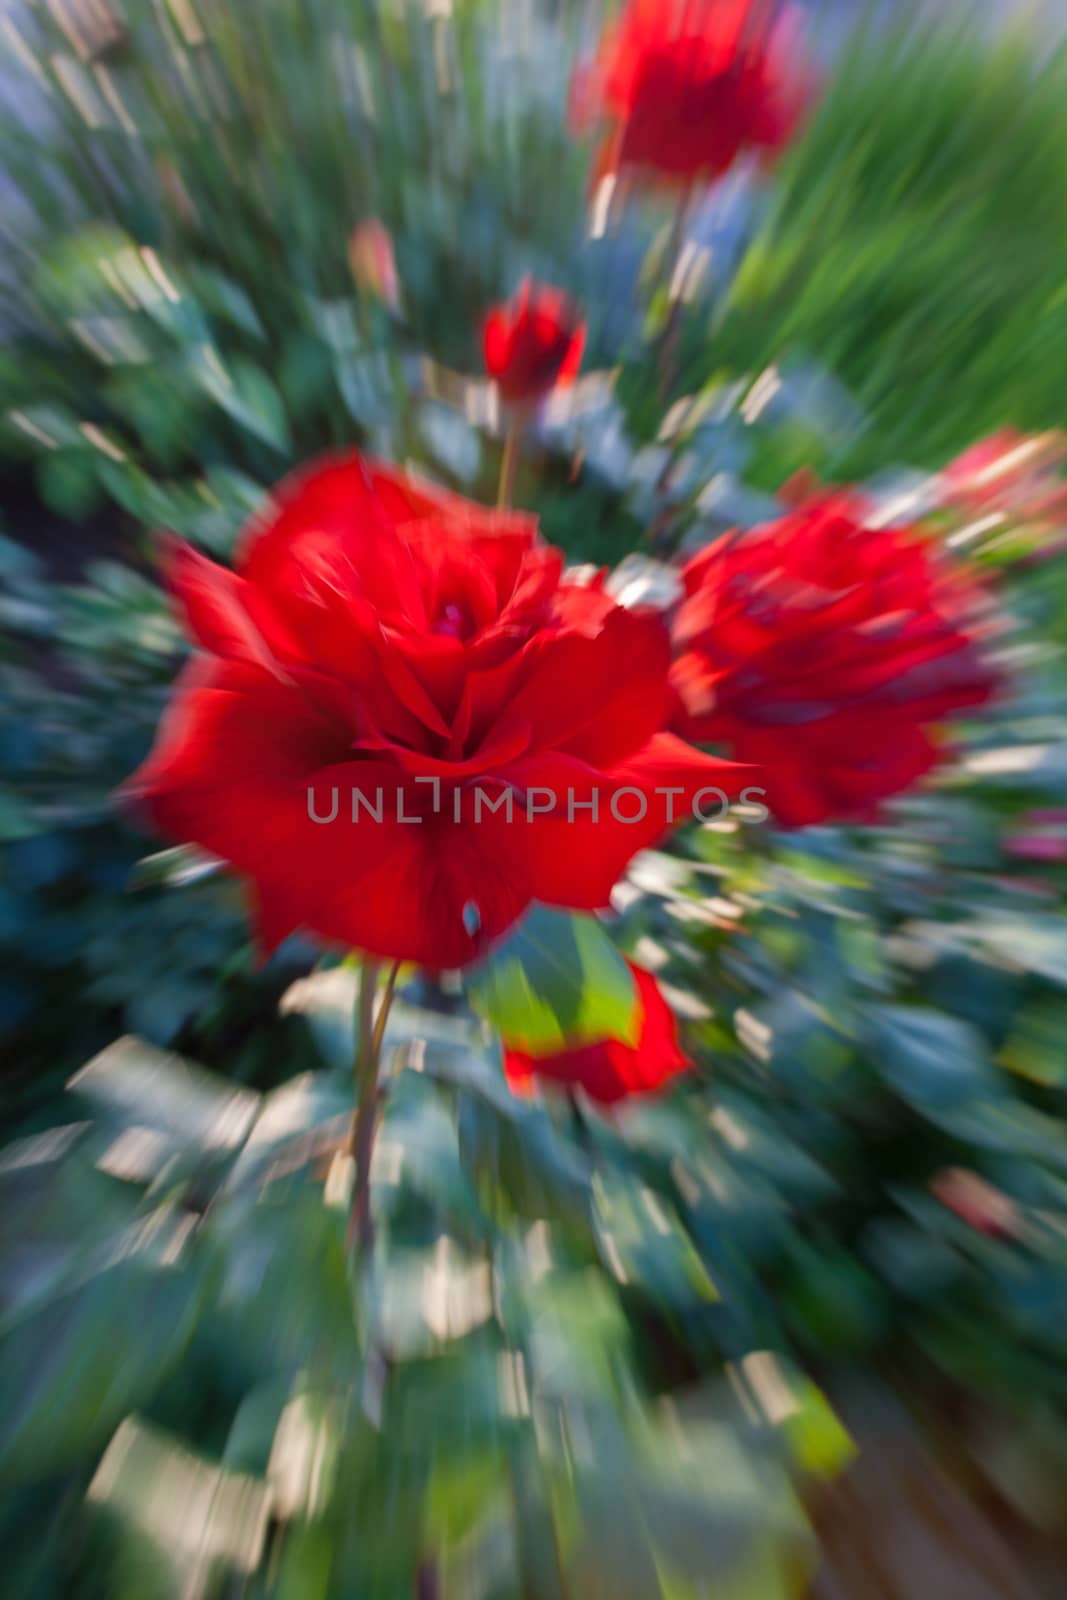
<point>555,980</point>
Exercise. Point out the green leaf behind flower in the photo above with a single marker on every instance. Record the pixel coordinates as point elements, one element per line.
<point>555,982</point>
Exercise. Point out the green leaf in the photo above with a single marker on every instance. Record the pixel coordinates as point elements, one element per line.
<point>74,1368</point>
<point>251,1436</point>
<point>458,1495</point>
<point>245,393</point>
<point>159,1011</point>
<point>1036,942</point>
<point>225,298</point>
<point>429,1298</point>
<point>418,1153</point>
<point>284,1297</point>
<point>307,1563</point>
<point>1034,1049</point>
<point>519,1161</point>
<point>313,1103</point>
<point>224,1515</point>
<point>642,1242</point>
<point>62,1213</point>
<point>1009,1128</point>
<point>136,1084</point>
<point>816,1439</point>
<point>931,1060</point>
<point>451,439</point>
<point>15,819</point>
<point>68,482</point>
<point>554,982</point>
<point>305,372</point>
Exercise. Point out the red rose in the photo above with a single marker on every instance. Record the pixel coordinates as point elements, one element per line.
<point>991,469</point>
<point>1013,474</point>
<point>686,89</point>
<point>370,255</point>
<point>533,343</point>
<point>612,1070</point>
<point>388,650</point>
<point>826,651</point>
<point>977,1203</point>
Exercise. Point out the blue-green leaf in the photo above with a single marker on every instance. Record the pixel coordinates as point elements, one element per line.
<point>554,982</point>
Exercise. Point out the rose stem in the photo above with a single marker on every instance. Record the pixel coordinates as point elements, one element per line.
<point>383,1013</point>
<point>667,363</point>
<point>508,463</point>
<point>369,1036</point>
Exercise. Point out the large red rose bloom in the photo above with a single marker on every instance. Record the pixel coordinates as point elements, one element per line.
<point>383,639</point>
<point>533,344</point>
<point>686,89</point>
<point>611,1070</point>
<point>827,651</point>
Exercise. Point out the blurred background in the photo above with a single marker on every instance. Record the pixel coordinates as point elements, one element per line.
<point>797,1328</point>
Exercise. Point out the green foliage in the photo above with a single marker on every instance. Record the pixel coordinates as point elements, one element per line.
<point>437,1402</point>
<point>915,242</point>
<point>209,334</point>
<point>875,1168</point>
<point>533,1391</point>
<point>85,931</point>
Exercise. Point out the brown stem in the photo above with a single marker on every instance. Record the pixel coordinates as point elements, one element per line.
<point>383,1016</point>
<point>667,366</point>
<point>509,462</point>
<point>368,980</point>
<point>667,361</point>
<point>369,1035</point>
<point>427,1583</point>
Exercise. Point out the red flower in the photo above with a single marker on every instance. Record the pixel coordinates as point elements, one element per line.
<point>390,651</point>
<point>533,343</point>
<point>370,255</point>
<point>687,88</point>
<point>612,1070</point>
<point>1042,837</point>
<point>1015,474</point>
<point>993,468</point>
<point>826,651</point>
<point>977,1203</point>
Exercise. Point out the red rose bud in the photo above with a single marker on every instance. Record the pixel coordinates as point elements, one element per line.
<point>613,1071</point>
<point>802,486</point>
<point>405,726</point>
<point>533,344</point>
<point>1018,479</point>
<point>985,470</point>
<point>977,1203</point>
<point>370,255</point>
<point>1042,837</point>
<point>828,652</point>
<point>685,90</point>
<point>996,468</point>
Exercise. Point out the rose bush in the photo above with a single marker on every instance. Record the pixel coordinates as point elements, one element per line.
<point>376,1308</point>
